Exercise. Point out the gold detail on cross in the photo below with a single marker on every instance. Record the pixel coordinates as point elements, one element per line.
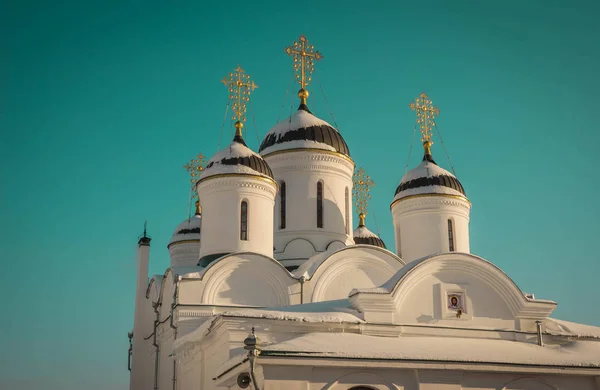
<point>240,86</point>
<point>304,55</point>
<point>361,187</point>
<point>426,114</point>
<point>195,168</point>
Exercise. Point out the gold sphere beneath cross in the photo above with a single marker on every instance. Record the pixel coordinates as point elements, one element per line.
<point>303,94</point>
<point>238,125</point>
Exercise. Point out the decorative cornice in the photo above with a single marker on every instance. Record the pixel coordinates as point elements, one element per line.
<point>271,189</point>
<point>313,152</point>
<point>445,198</point>
<point>238,176</point>
<point>330,157</point>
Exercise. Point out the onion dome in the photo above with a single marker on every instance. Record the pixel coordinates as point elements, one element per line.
<point>186,231</point>
<point>303,130</point>
<point>362,235</point>
<point>429,178</point>
<point>236,159</point>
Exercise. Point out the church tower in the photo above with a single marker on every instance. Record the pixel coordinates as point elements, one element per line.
<point>312,166</point>
<point>430,209</point>
<point>236,190</point>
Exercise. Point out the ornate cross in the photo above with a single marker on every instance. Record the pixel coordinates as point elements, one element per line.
<point>426,114</point>
<point>240,86</point>
<point>304,56</point>
<point>361,186</point>
<point>195,168</point>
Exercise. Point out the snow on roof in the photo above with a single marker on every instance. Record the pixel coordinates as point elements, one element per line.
<point>426,169</point>
<point>363,232</point>
<point>187,272</point>
<point>308,268</point>
<point>566,328</point>
<point>234,150</point>
<point>446,349</point>
<point>329,312</point>
<point>296,315</point>
<point>189,229</point>
<point>297,120</point>
<point>300,119</point>
<point>297,144</point>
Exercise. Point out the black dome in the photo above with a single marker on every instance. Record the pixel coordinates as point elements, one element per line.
<point>428,174</point>
<point>232,157</point>
<point>307,128</point>
<point>374,240</point>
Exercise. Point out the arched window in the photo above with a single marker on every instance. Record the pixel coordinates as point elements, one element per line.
<point>282,201</point>
<point>319,204</point>
<point>450,235</point>
<point>347,212</point>
<point>244,221</point>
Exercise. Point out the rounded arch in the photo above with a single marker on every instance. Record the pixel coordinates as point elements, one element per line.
<point>467,265</point>
<point>335,245</point>
<point>233,278</point>
<point>361,380</point>
<point>529,383</point>
<point>334,275</point>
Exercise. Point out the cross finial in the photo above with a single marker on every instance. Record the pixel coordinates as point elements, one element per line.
<point>426,114</point>
<point>195,167</point>
<point>304,55</point>
<point>240,86</point>
<point>361,187</point>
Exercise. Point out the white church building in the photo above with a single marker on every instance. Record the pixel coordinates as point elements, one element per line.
<point>272,287</point>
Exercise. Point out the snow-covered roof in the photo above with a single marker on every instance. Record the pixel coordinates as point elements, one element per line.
<point>187,230</point>
<point>446,349</point>
<point>237,158</point>
<point>428,178</point>
<point>362,235</point>
<point>303,130</point>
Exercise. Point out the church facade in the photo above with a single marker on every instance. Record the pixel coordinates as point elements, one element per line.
<point>271,285</point>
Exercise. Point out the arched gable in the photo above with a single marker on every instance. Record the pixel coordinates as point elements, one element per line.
<point>421,292</point>
<point>332,275</point>
<point>298,248</point>
<point>154,288</point>
<point>360,380</point>
<point>247,279</point>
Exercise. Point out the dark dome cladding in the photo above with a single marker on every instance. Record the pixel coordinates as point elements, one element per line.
<point>254,162</point>
<point>320,133</point>
<point>438,180</point>
<point>373,240</point>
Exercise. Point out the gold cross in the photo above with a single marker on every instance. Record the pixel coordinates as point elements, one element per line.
<point>304,55</point>
<point>240,86</point>
<point>195,168</point>
<point>426,114</point>
<point>361,186</point>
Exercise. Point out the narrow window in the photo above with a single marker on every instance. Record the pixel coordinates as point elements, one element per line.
<point>319,204</point>
<point>244,221</point>
<point>282,205</point>
<point>450,236</point>
<point>347,212</point>
<point>399,241</point>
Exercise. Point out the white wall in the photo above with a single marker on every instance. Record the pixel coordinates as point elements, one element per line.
<point>301,170</point>
<point>221,201</point>
<point>421,225</point>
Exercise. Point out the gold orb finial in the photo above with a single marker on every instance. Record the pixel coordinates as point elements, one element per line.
<point>361,218</point>
<point>238,128</point>
<point>303,95</point>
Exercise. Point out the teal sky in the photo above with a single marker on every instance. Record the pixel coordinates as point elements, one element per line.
<point>101,103</point>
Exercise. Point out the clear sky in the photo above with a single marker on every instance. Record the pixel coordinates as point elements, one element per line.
<point>101,103</point>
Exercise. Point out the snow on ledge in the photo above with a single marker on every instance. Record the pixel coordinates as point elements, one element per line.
<point>446,349</point>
